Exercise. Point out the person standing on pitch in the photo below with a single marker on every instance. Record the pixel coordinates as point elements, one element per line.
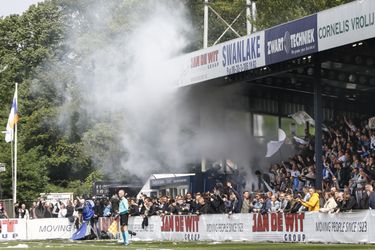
<point>124,216</point>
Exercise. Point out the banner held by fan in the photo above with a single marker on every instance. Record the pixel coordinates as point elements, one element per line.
<point>300,141</point>
<point>274,146</point>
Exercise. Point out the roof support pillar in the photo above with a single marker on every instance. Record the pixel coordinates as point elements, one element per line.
<point>318,125</point>
<point>205,24</point>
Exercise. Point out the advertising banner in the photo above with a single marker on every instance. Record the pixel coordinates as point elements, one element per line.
<point>353,227</point>
<point>12,229</point>
<point>235,56</point>
<point>226,227</point>
<point>341,228</point>
<point>147,232</point>
<point>279,227</point>
<point>54,228</point>
<point>346,24</point>
<point>291,40</point>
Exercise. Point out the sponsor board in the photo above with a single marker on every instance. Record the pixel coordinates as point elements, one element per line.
<point>291,40</point>
<point>235,56</point>
<point>150,232</point>
<point>282,227</point>
<point>55,228</point>
<point>342,25</point>
<point>12,229</point>
<point>180,227</point>
<point>346,24</point>
<point>356,227</point>
<point>277,227</point>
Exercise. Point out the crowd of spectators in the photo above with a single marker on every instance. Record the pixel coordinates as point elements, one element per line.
<point>348,180</point>
<point>348,168</point>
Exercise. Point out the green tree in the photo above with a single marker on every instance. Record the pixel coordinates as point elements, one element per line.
<point>274,12</point>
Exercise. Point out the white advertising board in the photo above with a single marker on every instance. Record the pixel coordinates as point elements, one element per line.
<point>12,229</point>
<point>346,24</point>
<point>235,56</point>
<point>54,228</point>
<point>356,227</point>
<point>353,227</point>
<point>148,233</point>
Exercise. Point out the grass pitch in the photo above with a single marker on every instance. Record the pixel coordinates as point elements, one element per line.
<point>107,245</point>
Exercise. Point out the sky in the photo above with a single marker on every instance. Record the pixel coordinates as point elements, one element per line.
<point>8,7</point>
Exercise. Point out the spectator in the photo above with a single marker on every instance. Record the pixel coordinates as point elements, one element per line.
<point>16,209</point>
<point>296,205</point>
<point>32,211</point>
<point>306,198</point>
<point>257,205</point>
<point>330,204</point>
<point>98,209</point>
<point>246,205</point>
<point>48,207</point>
<point>107,212</point>
<point>3,212</point>
<point>173,207</point>
<point>349,202</point>
<point>275,204</point>
<point>266,205</point>
<point>234,203</point>
<point>284,202</point>
<point>62,210</point>
<point>39,209</point>
<point>313,203</point>
<point>115,203</point>
<point>69,209</point>
<point>322,198</point>
<point>190,202</point>
<point>133,208</point>
<point>163,207</point>
<point>23,213</point>
<point>196,205</point>
<point>182,207</point>
<point>371,196</point>
<point>204,207</point>
<point>55,210</point>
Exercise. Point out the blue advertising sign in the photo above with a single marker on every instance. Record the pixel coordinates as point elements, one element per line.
<point>291,40</point>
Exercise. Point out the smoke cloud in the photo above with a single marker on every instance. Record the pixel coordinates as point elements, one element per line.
<point>126,91</point>
<point>125,80</point>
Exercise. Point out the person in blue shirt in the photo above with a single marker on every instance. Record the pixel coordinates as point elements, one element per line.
<point>124,216</point>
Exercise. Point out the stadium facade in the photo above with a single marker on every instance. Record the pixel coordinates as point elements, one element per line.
<point>322,64</point>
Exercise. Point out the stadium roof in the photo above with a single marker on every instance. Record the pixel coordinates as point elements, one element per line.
<point>285,56</point>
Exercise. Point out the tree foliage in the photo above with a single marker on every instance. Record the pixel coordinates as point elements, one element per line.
<point>274,12</point>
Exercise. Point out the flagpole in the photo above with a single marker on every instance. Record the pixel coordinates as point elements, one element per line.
<point>12,163</point>
<point>15,154</point>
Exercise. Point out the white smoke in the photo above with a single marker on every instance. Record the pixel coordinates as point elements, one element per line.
<point>129,83</point>
<point>124,82</point>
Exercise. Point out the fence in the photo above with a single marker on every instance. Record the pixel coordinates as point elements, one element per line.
<point>353,227</point>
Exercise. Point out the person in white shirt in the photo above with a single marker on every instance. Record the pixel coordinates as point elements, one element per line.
<point>275,204</point>
<point>23,212</point>
<point>330,204</point>
<point>62,211</point>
